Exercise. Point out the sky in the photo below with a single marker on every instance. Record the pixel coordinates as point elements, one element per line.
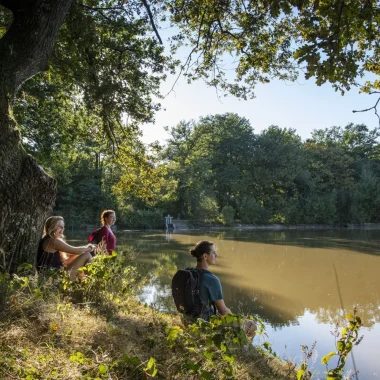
<point>301,105</point>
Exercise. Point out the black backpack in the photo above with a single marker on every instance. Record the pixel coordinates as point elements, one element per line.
<point>185,291</point>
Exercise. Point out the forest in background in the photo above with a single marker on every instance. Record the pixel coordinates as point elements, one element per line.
<point>215,170</point>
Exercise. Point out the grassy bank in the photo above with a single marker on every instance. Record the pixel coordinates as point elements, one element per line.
<point>95,329</point>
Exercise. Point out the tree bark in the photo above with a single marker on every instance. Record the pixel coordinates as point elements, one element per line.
<point>27,192</point>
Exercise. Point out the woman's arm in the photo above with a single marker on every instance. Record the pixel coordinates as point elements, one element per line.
<point>60,245</point>
<point>221,307</point>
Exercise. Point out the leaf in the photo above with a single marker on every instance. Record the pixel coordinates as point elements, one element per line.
<point>206,375</point>
<point>327,357</point>
<point>193,366</point>
<point>151,363</point>
<point>217,339</point>
<point>341,346</point>
<point>300,374</point>
<point>208,354</point>
<point>151,366</point>
<point>103,369</point>
<point>229,359</point>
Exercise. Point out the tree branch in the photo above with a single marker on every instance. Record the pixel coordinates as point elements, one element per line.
<point>188,60</point>
<point>28,43</point>
<point>146,5</point>
<point>374,107</point>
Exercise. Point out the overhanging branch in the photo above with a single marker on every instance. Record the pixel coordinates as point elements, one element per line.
<point>146,5</point>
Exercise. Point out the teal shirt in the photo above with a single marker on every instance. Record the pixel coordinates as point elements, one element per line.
<point>210,290</point>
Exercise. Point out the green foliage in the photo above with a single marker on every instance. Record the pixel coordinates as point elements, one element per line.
<point>349,337</point>
<point>146,219</point>
<point>107,280</point>
<point>212,347</point>
<point>273,177</point>
<point>206,210</point>
<point>251,212</point>
<point>315,208</point>
<point>227,215</point>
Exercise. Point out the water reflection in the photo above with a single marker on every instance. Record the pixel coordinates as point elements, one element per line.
<point>299,282</point>
<point>278,274</point>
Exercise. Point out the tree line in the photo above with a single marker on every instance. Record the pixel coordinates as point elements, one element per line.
<point>214,170</point>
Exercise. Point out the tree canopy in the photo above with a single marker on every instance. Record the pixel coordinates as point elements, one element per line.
<point>84,74</point>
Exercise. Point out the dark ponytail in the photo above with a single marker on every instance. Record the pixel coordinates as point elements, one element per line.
<point>203,246</point>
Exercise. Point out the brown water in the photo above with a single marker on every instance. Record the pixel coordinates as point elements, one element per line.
<point>299,282</point>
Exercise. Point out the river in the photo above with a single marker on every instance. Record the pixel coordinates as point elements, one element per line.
<point>300,283</point>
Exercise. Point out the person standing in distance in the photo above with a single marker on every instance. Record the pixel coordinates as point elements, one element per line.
<point>105,234</point>
<point>210,287</point>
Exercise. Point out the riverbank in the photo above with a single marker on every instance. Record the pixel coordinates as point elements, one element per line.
<point>241,227</point>
<point>301,227</point>
<point>95,329</point>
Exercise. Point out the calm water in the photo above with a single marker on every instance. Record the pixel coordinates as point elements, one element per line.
<point>298,282</point>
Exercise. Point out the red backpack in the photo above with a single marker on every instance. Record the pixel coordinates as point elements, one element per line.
<point>93,237</point>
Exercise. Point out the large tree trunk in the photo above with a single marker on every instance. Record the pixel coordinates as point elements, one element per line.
<point>27,193</point>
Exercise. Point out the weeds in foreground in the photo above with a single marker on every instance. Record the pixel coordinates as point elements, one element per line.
<point>349,337</point>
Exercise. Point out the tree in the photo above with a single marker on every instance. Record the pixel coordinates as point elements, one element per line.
<point>210,158</point>
<point>106,51</point>
<point>27,193</point>
<point>277,165</point>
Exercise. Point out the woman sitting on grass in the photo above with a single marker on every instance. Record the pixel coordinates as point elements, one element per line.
<point>53,252</point>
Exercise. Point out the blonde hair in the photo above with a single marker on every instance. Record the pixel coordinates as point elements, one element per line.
<point>105,214</point>
<point>50,226</point>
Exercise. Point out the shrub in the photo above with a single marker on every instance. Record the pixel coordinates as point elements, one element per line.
<point>227,215</point>
<point>251,212</point>
<point>206,210</point>
<point>146,219</point>
<point>316,208</point>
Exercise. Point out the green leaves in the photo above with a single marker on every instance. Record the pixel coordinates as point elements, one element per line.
<point>210,344</point>
<point>325,359</point>
<point>151,367</point>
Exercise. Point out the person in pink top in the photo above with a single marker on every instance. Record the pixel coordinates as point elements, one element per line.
<point>105,234</point>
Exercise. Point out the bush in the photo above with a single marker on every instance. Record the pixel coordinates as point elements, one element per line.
<point>251,212</point>
<point>146,219</point>
<point>227,215</point>
<point>207,210</point>
<point>316,208</point>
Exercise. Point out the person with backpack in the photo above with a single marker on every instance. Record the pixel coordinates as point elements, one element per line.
<point>105,234</point>
<point>196,291</point>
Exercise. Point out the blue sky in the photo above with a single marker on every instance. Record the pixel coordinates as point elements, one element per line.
<point>301,105</point>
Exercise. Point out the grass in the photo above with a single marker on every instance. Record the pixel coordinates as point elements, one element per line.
<point>52,329</point>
